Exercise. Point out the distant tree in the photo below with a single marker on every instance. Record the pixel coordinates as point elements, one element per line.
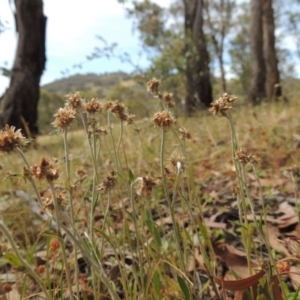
<point>197,72</point>
<point>219,21</point>
<point>258,81</point>
<point>175,42</point>
<point>19,102</point>
<point>265,73</point>
<point>273,88</point>
<point>239,47</point>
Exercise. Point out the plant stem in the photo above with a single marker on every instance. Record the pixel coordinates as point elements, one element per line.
<point>71,205</point>
<point>29,269</point>
<point>64,256</point>
<point>170,204</point>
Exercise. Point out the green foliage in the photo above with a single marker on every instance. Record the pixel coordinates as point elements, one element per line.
<point>149,21</point>
<point>48,104</point>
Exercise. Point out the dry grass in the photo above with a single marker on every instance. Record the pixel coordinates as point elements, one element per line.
<point>270,131</point>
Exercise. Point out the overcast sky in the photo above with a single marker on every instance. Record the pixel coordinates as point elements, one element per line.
<point>71,36</point>
<point>72,27</point>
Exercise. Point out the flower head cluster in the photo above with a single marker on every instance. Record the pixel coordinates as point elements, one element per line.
<point>96,130</point>
<point>223,104</point>
<point>184,134</point>
<point>109,183</point>
<point>75,101</point>
<point>107,105</point>
<point>45,170</point>
<point>54,245</point>
<point>283,266</point>
<point>64,117</point>
<point>145,185</point>
<point>153,86</point>
<point>294,171</point>
<point>119,110</point>
<point>163,119</point>
<point>81,172</point>
<point>10,138</point>
<point>176,164</point>
<point>101,130</point>
<point>168,97</point>
<point>93,106</point>
<point>245,158</point>
<point>48,201</point>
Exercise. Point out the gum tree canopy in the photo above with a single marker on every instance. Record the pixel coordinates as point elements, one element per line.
<point>18,106</point>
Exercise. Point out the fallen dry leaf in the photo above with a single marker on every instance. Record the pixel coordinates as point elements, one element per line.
<point>235,260</point>
<point>272,232</point>
<point>240,284</point>
<point>294,275</point>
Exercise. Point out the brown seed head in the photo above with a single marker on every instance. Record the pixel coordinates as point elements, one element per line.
<point>6,288</point>
<point>145,185</point>
<point>163,119</point>
<point>168,97</point>
<point>282,267</point>
<point>81,172</point>
<point>184,134</point>
<point>235,190</point>
<point>75,101</point>
<point>101,130</point>
<point>242,157</point>
<point>153,86</point>
<point>93,106</point>
<point>10,139</point>
<point>107,105</point>
<point>294,171</point>
<point>176,164</point>
<point>48,201</point>
<point>109,183</point>
<point>246,158</point>
<point>41,269</point>
<point>119,110</point>
<point>221,105</point>
<point>130,118</point>
<point>95,129</point>
<point>45,170</point>
<point>63,118</point>
<point>54,245</point>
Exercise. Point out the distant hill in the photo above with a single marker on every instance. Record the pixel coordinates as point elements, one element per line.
<point>98,84</point>
<point>110,86</point>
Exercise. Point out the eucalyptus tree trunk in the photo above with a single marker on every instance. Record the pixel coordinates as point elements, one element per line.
<point>273,88</point>
<point>19,103</point>
<point>218,19</point>
<point>257,88</point>
<point>197,73</point>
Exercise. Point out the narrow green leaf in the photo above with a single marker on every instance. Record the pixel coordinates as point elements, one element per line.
<point>157,283</point>
<point>103,234</point>
<point>131,177</point>
<point>13,259</point>
<point>152,227</point>
<point>53,132</point>
<point>295,295</point>
<point>50,234</point>
<point>184,288</point>
<point>265,293</point>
